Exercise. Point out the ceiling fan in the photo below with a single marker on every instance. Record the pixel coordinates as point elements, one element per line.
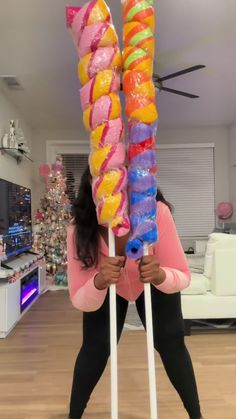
<point>158,81</point>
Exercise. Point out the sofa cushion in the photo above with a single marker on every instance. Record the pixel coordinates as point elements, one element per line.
<point>219,241</point>
<point>196,262</point>
<point>224,272</point>
<point>198,285</point>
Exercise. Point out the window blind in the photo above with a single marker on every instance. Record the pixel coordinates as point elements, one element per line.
<point>74,166</point>
<point>186,178</point>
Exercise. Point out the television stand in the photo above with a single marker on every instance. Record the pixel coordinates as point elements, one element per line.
<point>17,296</point>
<point>5,271</point>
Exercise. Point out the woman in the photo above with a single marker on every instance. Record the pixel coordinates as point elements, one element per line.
<point>91,271</point>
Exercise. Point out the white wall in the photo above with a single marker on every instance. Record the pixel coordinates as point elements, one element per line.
<point>40,138</point>
<point>9,169</point>
<point>232,166</point>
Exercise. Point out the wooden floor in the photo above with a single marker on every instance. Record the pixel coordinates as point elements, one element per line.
<point>36,362</point>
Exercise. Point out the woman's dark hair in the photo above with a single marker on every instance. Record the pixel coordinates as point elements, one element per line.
<point>86,224</point>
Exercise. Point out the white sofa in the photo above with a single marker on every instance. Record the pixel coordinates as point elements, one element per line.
<point>212,294</point>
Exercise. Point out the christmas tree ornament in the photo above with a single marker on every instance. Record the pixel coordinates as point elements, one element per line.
<point>44,170</point>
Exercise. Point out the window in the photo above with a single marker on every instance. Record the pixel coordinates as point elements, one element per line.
<point>186,178</point>
<point>75,160</point>
<point>74,166</point>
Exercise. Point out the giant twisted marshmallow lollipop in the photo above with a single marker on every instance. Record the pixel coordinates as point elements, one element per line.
<point>99,66</point>
<point>138,37</point>
<point>100,62</point>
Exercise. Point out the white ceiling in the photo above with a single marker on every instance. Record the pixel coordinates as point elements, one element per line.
<point>36,47</point>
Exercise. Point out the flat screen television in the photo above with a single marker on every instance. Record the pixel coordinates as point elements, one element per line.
<point>15,217</point>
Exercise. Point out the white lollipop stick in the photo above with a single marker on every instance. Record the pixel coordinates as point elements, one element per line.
<point>150,347</point>
<point>113,335</point>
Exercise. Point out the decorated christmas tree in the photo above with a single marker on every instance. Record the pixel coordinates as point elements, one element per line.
<point>51,222</point>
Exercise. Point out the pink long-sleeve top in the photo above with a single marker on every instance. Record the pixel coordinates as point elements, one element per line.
<point>86,297</point>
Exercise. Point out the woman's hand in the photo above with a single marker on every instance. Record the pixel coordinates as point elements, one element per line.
<point>150,271</point>
<point>109,272</point>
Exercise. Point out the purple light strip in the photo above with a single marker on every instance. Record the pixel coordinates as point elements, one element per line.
<point>28,295</point>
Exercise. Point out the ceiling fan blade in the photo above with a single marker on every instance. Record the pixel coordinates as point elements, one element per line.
<point>178,92</point>
<point>180,73</point>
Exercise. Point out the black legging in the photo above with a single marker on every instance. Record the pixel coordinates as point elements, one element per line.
<point>168,329</point>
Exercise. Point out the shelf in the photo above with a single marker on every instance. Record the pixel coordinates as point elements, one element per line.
<point>19,155</point>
